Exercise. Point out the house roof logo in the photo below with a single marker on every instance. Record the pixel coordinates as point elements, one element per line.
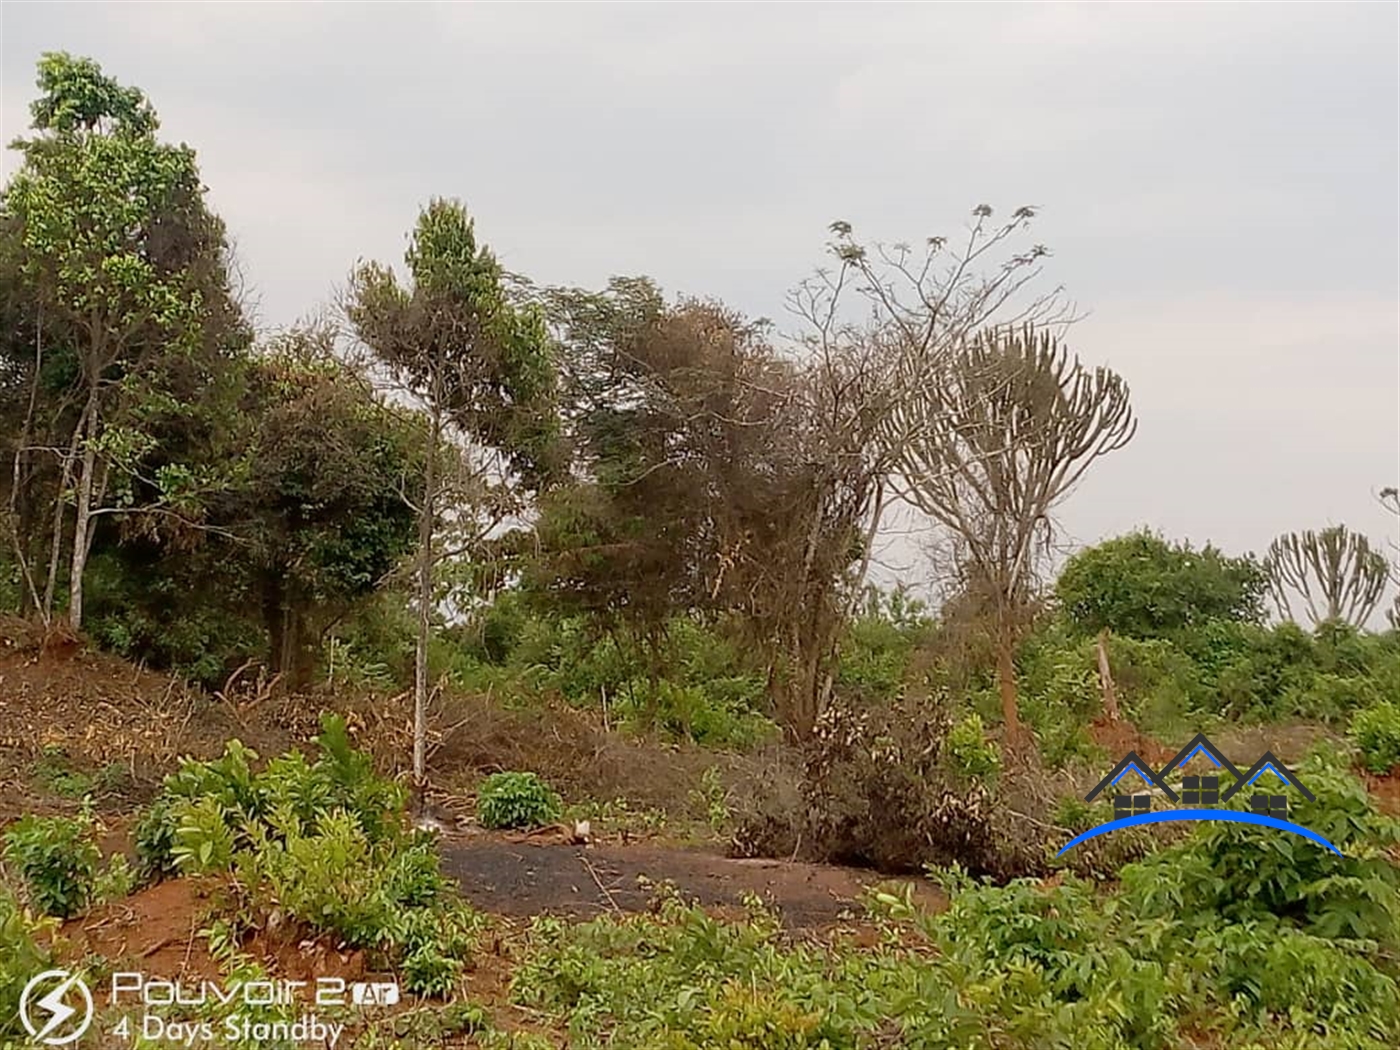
<point>1201,797</point>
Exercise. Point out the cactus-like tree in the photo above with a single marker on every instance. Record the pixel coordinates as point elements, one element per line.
<point>990,447</point>
<point>1336,573</point>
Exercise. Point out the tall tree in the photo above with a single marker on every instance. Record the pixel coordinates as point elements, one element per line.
<point>480,364</point>
<point>620,544</point>
<point>125,267</point>
<point>993,449</point>
<point>321,510</point>
<point>1336,572</point>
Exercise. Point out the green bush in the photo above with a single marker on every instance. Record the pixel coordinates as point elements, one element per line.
<point>1143,586</point>
<point>970,754</point>
<point>57,858</point>
<point>1376,734</point>
<point>323,842</point>
<point>696,685</point>
<point>516,800</point>
<point>22,955</point>
<point>1242,873</point>
<point>1022,966</point>
<point>200,795</point>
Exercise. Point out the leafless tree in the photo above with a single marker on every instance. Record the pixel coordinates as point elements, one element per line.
<point>989,446</point>
<point>1390,499</point>
<point>875,328</point>
<point>1336,572</point>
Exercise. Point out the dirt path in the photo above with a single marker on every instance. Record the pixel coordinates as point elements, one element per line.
<point>524,879</point>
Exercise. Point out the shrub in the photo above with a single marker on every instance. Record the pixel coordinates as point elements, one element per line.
<point>1243,874</point>
<point>1143,586</point>
<point>971,755</point>
<point>516,800</point>
<point>324,843</point>
<point>57,858</point>
<point>1376,734</point>
<point>116,881</point>
<point>154,836</point>
<point>22,955</point>
<point>200,795</point>
<point>881,786</point>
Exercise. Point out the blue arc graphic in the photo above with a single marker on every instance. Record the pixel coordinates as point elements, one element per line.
<point>1232,815</point>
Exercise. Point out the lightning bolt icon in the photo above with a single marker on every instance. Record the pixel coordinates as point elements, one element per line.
<point>58,1010</point>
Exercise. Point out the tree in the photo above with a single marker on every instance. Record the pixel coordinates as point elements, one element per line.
<point>322,509</point>
<point>992,450</point>
<point>480,365</point>
<point>310,521</point>
<point>1336,573</point>
<point>125,267</point>
<point>1390,499</point>
<point>1142,586</point>
<point>877,330</point>
<point>621,543</point>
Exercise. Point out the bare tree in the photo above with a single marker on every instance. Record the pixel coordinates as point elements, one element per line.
<point>877,327</point>
<point>1336,573</point>
<point>1390,499</point>
<point>989,446</point>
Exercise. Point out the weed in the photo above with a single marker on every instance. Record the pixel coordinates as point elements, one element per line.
<point>713,798</point>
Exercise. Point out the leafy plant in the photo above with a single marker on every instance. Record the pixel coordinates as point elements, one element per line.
<point>970,754</point>
<point>1376,734</point>
<point>516,800</point>
<point>117,880</point>
<point>57,858</point>
<point>22,955</point>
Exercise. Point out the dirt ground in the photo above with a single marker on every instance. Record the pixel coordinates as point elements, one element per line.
<point>521,878</point>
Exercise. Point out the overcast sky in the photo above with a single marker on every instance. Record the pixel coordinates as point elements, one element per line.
<point>1218,183</point>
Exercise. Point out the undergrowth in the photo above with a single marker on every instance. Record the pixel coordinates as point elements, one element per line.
<point>322,843</point>
<point>1232,937</point>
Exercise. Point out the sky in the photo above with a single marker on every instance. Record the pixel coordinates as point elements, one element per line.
<point>1217,182</point>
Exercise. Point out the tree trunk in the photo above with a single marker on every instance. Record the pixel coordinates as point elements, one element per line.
<point>425,599</point>
<point>59,516</point>
<point>81,527</point>
<point>1006,680</point>
<point>273,615</point>
<point>1110,695</point>
<point>21,491</point>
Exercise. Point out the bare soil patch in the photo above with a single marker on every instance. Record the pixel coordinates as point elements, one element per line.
<point>521,878</point>
<point>156,930</point>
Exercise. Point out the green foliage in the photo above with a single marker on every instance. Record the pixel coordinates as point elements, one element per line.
<point>324,842</point>
<point>1376,734</point>
<point>23,954</point>
<point>57,858</point>
<point>970,754</point>
<point>206,809</point>
<point>117,880</point>
<point>497,384</point>
<point>704,689</point>
<point>1023,966</point>
<point>873,660</point>
<point>1242,873</point>
<point>516,800</point>
<point>1142,586</point>
<point>54,772</point>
